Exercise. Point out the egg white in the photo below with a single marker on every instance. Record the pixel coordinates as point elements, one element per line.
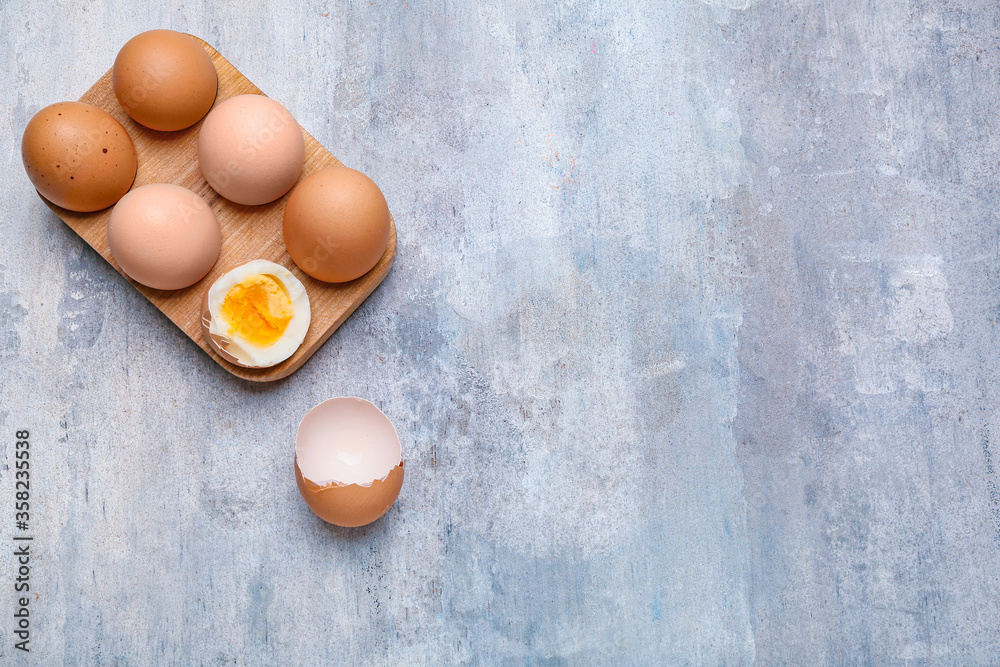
<point>246,352</point>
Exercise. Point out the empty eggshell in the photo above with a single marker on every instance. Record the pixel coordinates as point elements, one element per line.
<point>348,461</point>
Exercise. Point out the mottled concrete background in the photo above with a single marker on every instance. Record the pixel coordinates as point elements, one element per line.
<point>692,343</point>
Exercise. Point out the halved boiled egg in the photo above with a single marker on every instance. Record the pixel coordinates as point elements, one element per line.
<point>256,315</point>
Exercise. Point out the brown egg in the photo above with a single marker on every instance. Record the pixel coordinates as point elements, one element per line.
<point>336,224</point>
<point>164,80</point>
<point>348,461</point>
<point>78,156</point>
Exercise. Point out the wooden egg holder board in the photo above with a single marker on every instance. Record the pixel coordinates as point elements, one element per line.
<point>248,232</point>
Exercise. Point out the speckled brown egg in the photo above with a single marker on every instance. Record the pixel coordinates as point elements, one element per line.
<point>78,156</point>
<point>336,224</point>
<point>164,80</point>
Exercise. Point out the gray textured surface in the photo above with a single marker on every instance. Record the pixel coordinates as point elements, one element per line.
<point>692,342</point>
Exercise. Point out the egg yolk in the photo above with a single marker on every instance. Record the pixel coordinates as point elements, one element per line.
<point>258,309</point>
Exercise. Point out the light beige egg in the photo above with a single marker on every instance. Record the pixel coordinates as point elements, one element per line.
<point>164,236</point>
<point>251,150</point>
